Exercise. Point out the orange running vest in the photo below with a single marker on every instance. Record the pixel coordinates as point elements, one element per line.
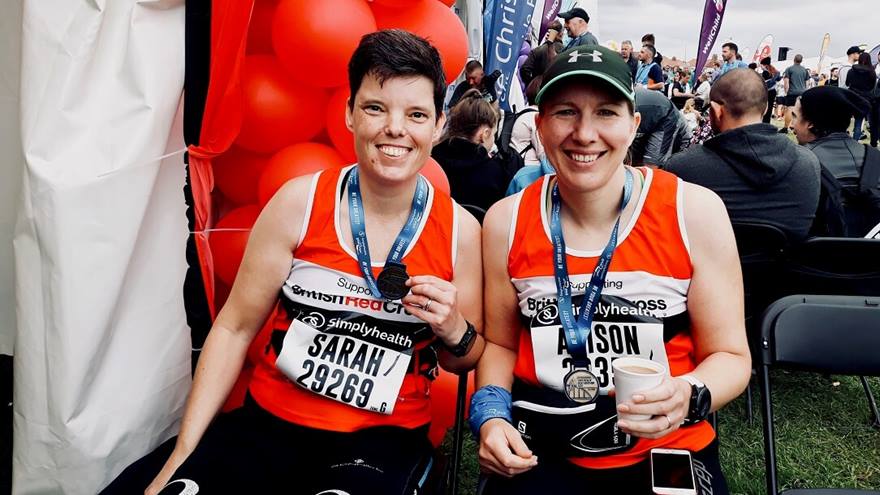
<point>651,268</point>
<point>325,277</point>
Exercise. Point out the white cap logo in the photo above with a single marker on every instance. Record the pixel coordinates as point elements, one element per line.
<point>596,56</point>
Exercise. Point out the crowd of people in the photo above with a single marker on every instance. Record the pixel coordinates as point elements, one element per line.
<point>607,193</point>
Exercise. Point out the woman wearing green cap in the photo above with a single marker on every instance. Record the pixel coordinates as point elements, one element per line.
<point>604,261</point>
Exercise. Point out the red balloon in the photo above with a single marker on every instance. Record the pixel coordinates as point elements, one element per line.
<point>444,391</point>
<point>227,246</point>
<point>277,111</point>
<point>435,22</point>
<point>260,28</point>
<point>393,3</point>
<point>435,175</point>
<point>448,3</point>
<point>236,174</point>
<point>294,161</point>
<point>315,39</point>
<point>339,134</point>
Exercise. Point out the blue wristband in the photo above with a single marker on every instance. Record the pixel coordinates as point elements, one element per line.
<point>489,402</point>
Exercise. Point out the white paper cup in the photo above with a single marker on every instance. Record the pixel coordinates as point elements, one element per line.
<point>631,376</point>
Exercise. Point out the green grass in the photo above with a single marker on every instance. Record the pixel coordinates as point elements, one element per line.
<point>824,437</point>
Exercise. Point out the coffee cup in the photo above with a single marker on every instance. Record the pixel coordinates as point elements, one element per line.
<point>631,376</point>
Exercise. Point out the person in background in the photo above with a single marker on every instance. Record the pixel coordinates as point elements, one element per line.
<point>661,132</point>
<point>577,25</point>
<point>626,51</point>
<point>475,177</point>
<point>780,99</point>
<point>729,52</point>
<point>795,80</point>
<point>649,75</point>
<point>761,176</point>
<point>862,80</point>
<point>691,116</point>
<point>771,77</point>
<point>852,57</point>
<point>820,120</point>
<point>704,87</point>
<point>833,79</point>
<point>524,138</point>
<point>473,72</point>
<point>649,39</point>
<point>680,92</point>
<point>540,58</point>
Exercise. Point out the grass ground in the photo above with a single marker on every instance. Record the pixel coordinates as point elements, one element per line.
<point>824,437</point>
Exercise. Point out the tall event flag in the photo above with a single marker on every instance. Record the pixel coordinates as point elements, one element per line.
<point>505,25</point>
<point>826,40</point>
<point>765,48</point>
<point>550,11</point>
<point>713,14</point>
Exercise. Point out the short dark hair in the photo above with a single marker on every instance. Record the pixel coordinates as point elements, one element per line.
<point>865,59</point>
<point>731,46</point>
<point>533,88</point>
<point>649,39</point>
<point>471,66</point>
<point>650,48</point>
<point>798,58</point>
<point>396,53</point>
<point>741,92</point>
<point>753,66</point>
<point>555,25</point>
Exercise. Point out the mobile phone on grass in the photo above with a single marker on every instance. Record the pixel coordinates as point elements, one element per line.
<point>672,472</point>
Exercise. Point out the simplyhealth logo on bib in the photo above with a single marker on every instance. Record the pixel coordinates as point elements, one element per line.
<point>619,329</point>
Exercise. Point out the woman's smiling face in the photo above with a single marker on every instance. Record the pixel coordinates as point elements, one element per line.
<point>586,129</point>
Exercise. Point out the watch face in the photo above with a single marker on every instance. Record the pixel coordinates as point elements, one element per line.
<point>703,402</point>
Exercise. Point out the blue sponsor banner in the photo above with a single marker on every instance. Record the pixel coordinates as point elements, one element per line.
<point>506,24</point>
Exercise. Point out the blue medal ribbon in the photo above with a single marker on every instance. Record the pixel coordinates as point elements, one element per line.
<point>578,329</point>
<point>359,231</point>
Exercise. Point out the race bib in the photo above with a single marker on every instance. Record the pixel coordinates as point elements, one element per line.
<point>619,329</point>
<point>347,357</point>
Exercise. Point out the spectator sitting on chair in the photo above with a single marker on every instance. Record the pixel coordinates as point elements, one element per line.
<point>317,400</point>
<point>475,177</point>
<point>762,177</point>
<point>662,132</point>
<point>820,120</point>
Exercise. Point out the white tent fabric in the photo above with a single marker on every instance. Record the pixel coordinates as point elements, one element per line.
<point>11,162</point>
<point>102,363</point>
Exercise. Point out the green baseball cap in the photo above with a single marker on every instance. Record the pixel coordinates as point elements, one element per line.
<point>589,60</point>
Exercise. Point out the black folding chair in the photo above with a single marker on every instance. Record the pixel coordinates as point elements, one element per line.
<point>795,334</point>
<point>761,248</point>
<point>838,266</point>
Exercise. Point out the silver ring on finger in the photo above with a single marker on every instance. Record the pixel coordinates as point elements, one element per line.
<point>425,307</point>
<point>668,421</point>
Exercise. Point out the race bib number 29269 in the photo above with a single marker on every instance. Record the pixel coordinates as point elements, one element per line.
<point>350,362</point>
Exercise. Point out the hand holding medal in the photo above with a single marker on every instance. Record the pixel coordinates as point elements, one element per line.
<point>435,301</point>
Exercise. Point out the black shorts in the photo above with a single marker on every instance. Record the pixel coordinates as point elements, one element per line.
<point>790,100</point>
<point>780,100</point>
<point>563,477</point>
<point>252,451</point>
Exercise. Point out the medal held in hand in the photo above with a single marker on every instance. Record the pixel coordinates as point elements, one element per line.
<point>580,385</point>
<point>391,282</point>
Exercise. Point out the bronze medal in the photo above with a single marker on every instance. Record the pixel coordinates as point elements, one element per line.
<point>581,386</point>
<point>391,281</point>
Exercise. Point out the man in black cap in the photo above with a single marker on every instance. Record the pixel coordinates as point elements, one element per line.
<point>852,56</point>
<point>761,176</point>
<point>821,118</point>
<point>577,26</point>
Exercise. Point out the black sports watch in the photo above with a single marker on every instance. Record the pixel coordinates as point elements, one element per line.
<point>701,401</point>
<point>464,345</point>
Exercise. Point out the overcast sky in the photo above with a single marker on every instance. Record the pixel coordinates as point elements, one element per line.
<point>799,24</point>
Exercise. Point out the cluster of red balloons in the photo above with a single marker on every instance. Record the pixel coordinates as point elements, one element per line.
<point>294,88</point>
<point>294,84</point>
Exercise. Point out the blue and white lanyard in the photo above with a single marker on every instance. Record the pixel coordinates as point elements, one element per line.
<point>578,329</point>
<point>359,231</point>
